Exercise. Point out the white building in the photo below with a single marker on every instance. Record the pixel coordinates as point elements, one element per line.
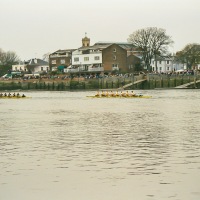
<point>87,59</point>
<point>34,65</point>
<point>166,64</point>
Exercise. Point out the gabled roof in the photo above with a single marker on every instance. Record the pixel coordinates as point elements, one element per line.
<point>124,45</point>
<point>63,51</point>
<point>36,62</point>
<point>94,47</point>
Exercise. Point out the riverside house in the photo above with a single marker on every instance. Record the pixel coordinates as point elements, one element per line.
<point>166,64</point>
<point>33,66</point>
<point>60,59</point>
<point>100,58</point>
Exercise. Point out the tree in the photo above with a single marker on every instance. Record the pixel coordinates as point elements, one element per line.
<point>190,55</point>
<point>45,57</point>
<point>7,59</point>
<point>151,41</point>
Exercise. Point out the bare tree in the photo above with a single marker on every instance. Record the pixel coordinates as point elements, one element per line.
<point>45,57</point>
<point>8,58</point>
<point>152,42</point>
<point>190,55</point>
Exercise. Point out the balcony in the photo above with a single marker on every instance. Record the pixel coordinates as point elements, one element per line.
<point>95,69</point>
<point>72,70</point>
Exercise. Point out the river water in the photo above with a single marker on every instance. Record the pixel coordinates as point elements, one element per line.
<point>63,145</point>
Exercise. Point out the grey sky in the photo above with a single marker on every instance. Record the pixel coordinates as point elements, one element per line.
<point>32,28</point>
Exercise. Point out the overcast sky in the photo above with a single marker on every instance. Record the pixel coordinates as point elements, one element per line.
<point>32,28</point>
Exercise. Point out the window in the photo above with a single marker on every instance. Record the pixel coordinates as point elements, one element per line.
<point>114,57</point>
<point>130,66</point>
<point>168,62</point>
<point>47,69</point>
<point>86,58</point>
<point>15,68</point>
<point>114,50</point>
<point>53,62</point>
<point>167,68</point>
<point>96,58</point>
<point>160,68</point>
<point>114,65</point>
<point>160,62</point>
<point>76,59</point>
<point>41,68</point>
<point>153,69</point>
<point>62,61</point>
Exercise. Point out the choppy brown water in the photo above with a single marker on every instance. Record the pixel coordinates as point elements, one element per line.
<point>62,145</point>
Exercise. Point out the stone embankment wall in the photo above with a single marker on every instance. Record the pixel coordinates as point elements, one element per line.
<point>152,82</point>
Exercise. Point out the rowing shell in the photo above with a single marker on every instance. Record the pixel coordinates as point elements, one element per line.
<point>15,97</point>
<point>136,96</point>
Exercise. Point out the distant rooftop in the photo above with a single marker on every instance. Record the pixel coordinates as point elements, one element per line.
<point>60,51</point>
<point>36,61</point>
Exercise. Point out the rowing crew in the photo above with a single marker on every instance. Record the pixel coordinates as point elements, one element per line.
<point>115,94</point>
<point>11,95</point>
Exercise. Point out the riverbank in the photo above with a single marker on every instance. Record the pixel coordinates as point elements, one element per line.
<point>151,82</point>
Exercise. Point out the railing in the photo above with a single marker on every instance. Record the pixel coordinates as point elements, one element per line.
<point>56,56</point>
<point>72,70</point>
<point>81,69</point>
<point>96,69</point>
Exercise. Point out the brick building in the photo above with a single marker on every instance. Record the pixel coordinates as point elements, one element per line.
<point>60,59</point>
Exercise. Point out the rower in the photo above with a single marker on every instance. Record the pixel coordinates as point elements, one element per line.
<point>117,94</point>
<point>103,94</point>
<point>23,95</point>
<point>5,95</point>
<point>132,94</point>
<point>123,94</point>
<point>97,95</point>
<point>127,94</point>
<point>1,94</point>
<point>18,95</point>
<point>13,94</point>
<point>111,94</point>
